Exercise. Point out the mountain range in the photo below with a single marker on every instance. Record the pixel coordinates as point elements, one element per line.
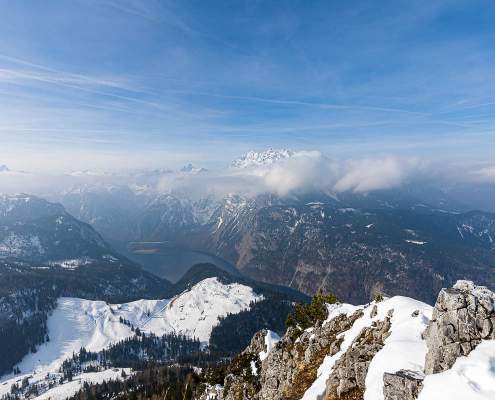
<point>353,244</point>
<point>72,304</point>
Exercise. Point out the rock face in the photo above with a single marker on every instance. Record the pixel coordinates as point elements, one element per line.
<point>351,252</point>
<point>462,317</point>
<point>212,393</point>
<point>348,378</point>
<point>291,367</point>
<point>402,385</point>
<point>242,381</point>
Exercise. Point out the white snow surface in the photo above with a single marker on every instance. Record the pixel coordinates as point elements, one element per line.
<point>271,339</point>
<point>416,242</point>
<point>404,348</point>
<point>67,389</point>
<point>95,325</point>
<point>471,377</point>
<point>264,158</point>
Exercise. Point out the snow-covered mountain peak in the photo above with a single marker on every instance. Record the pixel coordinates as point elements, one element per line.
<point>4,168</point>
<point>195,312</point>
<point>88,173</point>
<point>257,159</point>
<point>192,169</point>
<point>24,206</point>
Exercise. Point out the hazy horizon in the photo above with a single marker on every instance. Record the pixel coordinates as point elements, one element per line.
<point>120,85</point>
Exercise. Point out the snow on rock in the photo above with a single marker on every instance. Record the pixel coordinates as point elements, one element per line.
<point>419,242</point>
<point>271,339</point>
<point>264,158</point>
<point>17,245</point>
<point>73,263</point>
<point>471,377</point>
<point>77,323</point>
<point>317,389</point>
<point>382,351</point>
<point>403,349</point>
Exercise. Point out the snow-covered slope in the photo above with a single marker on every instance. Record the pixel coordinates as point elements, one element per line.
<point>471,377</point>
<point>94,325</point>
<point>65,390</point>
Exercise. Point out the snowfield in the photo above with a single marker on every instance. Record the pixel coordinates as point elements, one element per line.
<point>67,389</point>
<point>77,323</point>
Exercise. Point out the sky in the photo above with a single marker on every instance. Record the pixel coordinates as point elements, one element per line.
<point>120,84</point>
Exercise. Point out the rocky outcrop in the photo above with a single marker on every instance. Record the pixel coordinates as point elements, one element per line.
<point>462,317</point>
<point>291,368</point>
<point>402,385</point>
<point>349,373</point>
<point>242,381</point>
<point>211,393</point>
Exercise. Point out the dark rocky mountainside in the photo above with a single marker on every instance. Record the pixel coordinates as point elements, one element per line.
<point>354,245</point>
<point>356,253</point>
<point>35,230</point>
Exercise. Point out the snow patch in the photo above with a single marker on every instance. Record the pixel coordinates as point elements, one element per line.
<point>271,339</point>
<point>418,242</point>
<point>471,377</point>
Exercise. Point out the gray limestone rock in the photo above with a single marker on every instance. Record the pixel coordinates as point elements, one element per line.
<point>349,372</point>
<point>402,385</point>
<point>462,316</point>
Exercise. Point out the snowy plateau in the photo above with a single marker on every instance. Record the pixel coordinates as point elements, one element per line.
<point>95,325</point>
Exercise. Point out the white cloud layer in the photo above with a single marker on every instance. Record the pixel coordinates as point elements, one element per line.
<point>303,172</point>
<point>486,174</point>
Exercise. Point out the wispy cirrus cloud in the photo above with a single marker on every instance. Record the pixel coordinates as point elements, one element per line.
<point>354,81</point>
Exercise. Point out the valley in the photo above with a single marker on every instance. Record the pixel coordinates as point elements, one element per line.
<point>168,260</point>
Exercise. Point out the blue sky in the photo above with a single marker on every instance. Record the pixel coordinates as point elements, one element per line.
<point>123,84</point>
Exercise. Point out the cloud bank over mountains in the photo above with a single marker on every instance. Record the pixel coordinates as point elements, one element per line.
<point>280,172</point>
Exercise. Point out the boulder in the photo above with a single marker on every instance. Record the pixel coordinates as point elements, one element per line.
<point>402,385</point>
<point>462,316</point>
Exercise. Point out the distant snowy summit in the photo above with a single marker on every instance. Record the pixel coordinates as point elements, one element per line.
<point>88,173</point>
<point>192,169</point>
<point>4,168</point>
<point>258,159</point>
